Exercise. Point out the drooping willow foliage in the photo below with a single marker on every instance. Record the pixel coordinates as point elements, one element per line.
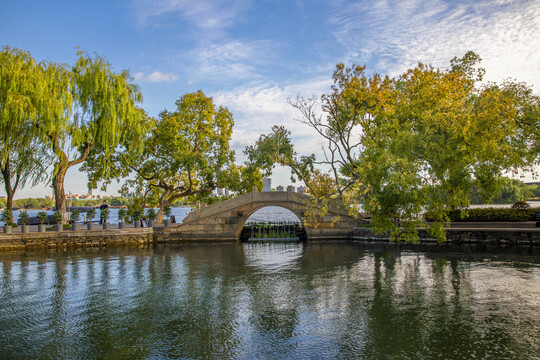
<point>76,113</point>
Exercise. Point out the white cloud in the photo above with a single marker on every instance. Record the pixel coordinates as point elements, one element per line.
<point>156,76</point>
<point>257,107</point>
<point>396,34</point>
<point>209,16</point>
<point>234,59</point>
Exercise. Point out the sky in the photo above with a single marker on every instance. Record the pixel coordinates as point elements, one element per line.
<point>252,56</point>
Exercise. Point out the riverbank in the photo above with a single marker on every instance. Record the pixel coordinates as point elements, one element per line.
<point>496,234</point>
<point>75,239</point>
<point>113,237</point>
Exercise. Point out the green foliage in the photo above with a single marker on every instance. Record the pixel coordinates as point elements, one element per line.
<point>183,154</point>
<point>57,217</point>
<point>151,214</point>
<point>86,110</point>
<point>118,201</point>
<point>121,214</point>
<point>104,214</point>
<point>508,191</point>
<point>167,212</point>
<point>90,214</point>
<point>6,216</point>
<point>42,217</point>
<point>38,203</point>
<point>276,148</point>
<point>241,179</point>
<point>75,215</point>
<point>136,214</point>
<point>23,218</point>
<point>23,156</point>
<point>425,139</point>
<point>487,215</point>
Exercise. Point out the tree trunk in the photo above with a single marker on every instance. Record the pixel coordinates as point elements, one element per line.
<point>59,192</point>
<point>164,201</point>
<point>10,192</point>
<point>60,169</point>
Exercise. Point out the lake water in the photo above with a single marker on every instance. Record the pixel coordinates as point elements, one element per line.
<point>270,301</point>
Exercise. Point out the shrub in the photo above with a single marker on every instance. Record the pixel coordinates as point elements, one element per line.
<point>57,217</point>
<point>104,214</point>
<point>90,214</point>
<point>489,215</point>
<point>42,216</point>
<point>24,218</point>
<point>75,214</point>
<point>136,215</point>
<point>167,211</point>
<point>122,214</point>
<point>6,217</point>
<point>151,214</point>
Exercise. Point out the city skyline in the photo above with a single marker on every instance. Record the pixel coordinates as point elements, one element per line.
<point>253,56</point>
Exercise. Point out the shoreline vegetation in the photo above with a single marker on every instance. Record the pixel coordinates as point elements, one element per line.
<point>430,140</point>
<point>503,200</point>
<point>48,204</point>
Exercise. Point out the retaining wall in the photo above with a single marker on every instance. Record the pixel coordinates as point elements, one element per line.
<point>488,236</point>
<point>84,238</point>
<point>116,237</point>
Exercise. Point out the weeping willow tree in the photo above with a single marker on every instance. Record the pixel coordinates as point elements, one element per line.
<point>23,158</point>
<point>87,112</point>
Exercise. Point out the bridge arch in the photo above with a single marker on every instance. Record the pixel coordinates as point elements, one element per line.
<point>248,214</point>
<point>224,220</point>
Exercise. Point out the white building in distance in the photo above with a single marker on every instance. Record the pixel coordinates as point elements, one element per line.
<point>267,184</point>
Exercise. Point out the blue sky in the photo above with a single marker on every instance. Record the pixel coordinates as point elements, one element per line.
<point>251,56</point>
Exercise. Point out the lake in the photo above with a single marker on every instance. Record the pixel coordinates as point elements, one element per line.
<point>271,301</point>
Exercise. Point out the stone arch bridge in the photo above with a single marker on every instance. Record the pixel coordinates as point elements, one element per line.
<point>224,221</point>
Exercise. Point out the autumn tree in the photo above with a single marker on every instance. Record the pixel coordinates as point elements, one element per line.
<point>419,142</point>
<point>184,154</point>
<point>23,158</point>
<point>441,135</point>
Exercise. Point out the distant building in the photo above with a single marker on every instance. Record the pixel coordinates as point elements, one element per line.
<point>280,188</point>
<point>226,192</point>
<point>301,190</point>
<point>291,188</point>
<point>91,192</point>
<point>267,184</point>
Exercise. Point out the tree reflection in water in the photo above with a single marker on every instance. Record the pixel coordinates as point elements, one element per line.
<point>269,301</point>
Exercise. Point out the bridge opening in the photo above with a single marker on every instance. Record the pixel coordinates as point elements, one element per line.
<point>273,223</point>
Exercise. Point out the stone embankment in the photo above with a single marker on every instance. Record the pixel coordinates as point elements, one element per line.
<point>497,234</point>
<point>527,235</point>
<point>72,239</point>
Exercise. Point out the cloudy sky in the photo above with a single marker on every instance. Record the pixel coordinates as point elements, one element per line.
<point>252,55</point>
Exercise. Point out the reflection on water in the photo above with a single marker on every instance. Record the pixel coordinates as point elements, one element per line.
<point>269,301</point>
<point>272,214</point>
